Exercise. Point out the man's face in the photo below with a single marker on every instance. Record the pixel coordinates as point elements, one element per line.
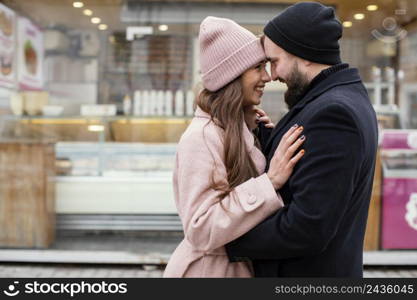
<point>285,68</point>
<point>281,61</point>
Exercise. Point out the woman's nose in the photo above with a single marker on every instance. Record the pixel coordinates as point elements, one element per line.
<point>266,77</point>
<point>274,75</point>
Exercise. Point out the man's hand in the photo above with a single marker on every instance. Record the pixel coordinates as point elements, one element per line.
<point>254,115</point>
<point>264,118</point>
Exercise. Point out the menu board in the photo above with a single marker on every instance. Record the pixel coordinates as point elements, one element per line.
<point>7,47</point>
<point>30,55</point>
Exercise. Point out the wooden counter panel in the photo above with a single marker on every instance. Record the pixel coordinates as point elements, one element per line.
<point>373,226</point>
<point>27,195</point>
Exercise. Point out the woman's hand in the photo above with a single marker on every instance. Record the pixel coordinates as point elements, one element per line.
<point>283,162</point>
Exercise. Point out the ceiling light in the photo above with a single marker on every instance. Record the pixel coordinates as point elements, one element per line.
<point>347,24</point>
<point>102,26</point>
<point>372,7</point>
<point>78,4</point>
<point>359,16</point>
<point>88,12</point>
<point>95,20</point>
<point>163,27</point>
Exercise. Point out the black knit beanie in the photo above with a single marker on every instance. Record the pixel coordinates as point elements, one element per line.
<point>308,30</point>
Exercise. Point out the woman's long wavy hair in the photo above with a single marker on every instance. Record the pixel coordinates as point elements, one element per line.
<point>225,107</point>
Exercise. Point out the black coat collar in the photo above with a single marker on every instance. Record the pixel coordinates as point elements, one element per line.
<point>342,77</point>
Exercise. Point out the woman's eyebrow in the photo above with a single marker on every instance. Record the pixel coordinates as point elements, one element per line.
<point>272,58</point>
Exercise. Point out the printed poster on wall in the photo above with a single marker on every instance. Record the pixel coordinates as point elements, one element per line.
<point>30,41</point>
<point>7,47</point>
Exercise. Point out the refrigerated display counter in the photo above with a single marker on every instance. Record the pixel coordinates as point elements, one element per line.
<point>114,178</point>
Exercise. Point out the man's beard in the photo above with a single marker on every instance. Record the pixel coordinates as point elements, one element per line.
<point>297,84</point>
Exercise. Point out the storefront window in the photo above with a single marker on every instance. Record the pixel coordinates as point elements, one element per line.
<point>111,84</point>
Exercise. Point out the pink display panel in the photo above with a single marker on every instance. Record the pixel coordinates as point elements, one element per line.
<point>399,192</point>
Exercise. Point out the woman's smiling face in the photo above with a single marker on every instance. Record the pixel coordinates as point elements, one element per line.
<point>253,84</point>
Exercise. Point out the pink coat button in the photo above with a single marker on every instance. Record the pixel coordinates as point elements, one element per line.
<point>252,199</point>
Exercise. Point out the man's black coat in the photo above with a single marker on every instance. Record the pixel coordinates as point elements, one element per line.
<point>320,230</point>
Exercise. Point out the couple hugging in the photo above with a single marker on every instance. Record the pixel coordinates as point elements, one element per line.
<point>284,200</point>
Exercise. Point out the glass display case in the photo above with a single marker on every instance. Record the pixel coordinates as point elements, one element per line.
<point>115,178</point>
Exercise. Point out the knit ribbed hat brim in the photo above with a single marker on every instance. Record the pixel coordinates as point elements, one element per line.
<point>227,50</point>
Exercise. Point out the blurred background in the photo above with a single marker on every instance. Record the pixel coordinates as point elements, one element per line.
<point>94,96</point>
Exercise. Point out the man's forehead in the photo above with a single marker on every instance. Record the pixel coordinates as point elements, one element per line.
<point>268,43</point>
<point>272,50</point>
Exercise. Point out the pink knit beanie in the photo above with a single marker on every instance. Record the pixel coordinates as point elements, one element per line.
<point>226,51</point>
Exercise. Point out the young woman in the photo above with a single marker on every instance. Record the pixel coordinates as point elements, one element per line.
<point>220,185</point>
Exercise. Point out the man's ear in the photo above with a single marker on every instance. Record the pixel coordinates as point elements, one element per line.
<point>306,63</point>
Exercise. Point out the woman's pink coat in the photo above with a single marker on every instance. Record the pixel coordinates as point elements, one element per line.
<point>207,223</point>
